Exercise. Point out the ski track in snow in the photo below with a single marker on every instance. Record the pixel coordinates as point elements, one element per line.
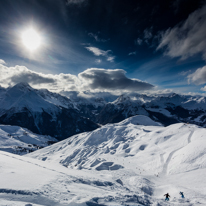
<point>164,170</point>
<point>165,167</point>
<point>190,136</point>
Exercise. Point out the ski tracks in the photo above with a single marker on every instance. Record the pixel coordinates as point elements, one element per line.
<point>165,167</point>
<point>164,170</point>
<point>190,136</point>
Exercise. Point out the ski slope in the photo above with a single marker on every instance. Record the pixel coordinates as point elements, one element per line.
<point>117,164</point>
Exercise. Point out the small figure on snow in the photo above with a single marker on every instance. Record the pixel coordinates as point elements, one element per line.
<point>181,193</point>
<point>167,197</point>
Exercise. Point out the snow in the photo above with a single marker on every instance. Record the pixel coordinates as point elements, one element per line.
<point>55,98</point>
<point>23,96</point>
<point>134,162</point>
<point>139,120</point>
<point>19,140</point>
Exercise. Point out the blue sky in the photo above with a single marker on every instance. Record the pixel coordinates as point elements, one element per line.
<point>105,45</point>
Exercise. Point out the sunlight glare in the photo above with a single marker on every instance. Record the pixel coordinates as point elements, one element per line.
<point>31,39</point>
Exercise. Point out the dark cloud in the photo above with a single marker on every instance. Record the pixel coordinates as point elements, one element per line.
<point>32,78</point>
<point>91,79</point>
<point>103,79</point>
<point>188,38</point>
<point>14,75</point>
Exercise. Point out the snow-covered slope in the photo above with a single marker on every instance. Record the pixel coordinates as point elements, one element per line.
<point>2,90</point>
<point>139,120</point>
<point>19,140</point>
<point>55,98</point>
<point>23,96</point>
<point>140,163</point>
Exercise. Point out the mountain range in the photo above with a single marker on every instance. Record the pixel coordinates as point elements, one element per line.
<point>62,116</point>
<point>41,112</point>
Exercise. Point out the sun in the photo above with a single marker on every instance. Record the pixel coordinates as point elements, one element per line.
<point>31,39</point>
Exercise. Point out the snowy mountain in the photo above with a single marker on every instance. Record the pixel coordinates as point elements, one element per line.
<point>167,109</point>
<point>52,114</point>
<point>19,140</point>
<point>55,98</point>
<point>2,90</point>
<point>118,164</point>
<point>89,104</point>
<point>42,112</point>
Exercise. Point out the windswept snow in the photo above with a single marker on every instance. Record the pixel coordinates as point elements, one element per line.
<point>134,162</point>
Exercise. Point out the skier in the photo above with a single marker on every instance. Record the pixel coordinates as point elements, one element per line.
<point>167,197</point>
<point>181,193</point>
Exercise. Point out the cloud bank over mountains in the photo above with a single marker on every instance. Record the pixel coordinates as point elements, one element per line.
<point>103,79</point>
<point>94,79</point>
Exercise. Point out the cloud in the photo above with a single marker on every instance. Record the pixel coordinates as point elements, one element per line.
<point>13,75</point>
<point>110,59</point>
<point>132,53</point>
<point>110,80</point>
<point>203,89</point>
<point>138,41</point>
<point>184,73</point>
<point>98,52</point>
<point>95,36</point>
<point>93,79</point>
<point>188,38</point>
<point>148,33</point>
<point>2,61</point>
<point>198,77</point>
<point>98,61</point>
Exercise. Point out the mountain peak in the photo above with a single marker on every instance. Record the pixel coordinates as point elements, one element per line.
<point>21,87</point>
<point>122,98</point>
